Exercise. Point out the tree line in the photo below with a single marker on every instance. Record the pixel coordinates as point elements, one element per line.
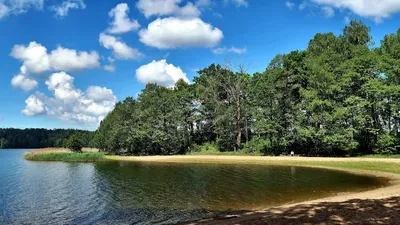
<point>42,138</point>
<point>339,96</point>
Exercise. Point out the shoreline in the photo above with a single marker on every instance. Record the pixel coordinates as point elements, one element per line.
<point>276,214</point>
<point>370,167</point>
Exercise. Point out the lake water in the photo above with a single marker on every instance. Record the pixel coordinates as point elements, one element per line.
<point>126,193</point>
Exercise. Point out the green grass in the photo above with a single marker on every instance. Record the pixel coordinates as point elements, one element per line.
<point>381,156</point>
<point>67,157</point>
<point>387,167</point>
<point>376,166</point>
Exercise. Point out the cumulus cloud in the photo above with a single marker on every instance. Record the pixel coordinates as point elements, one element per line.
<point>377,10</point>
<point>62,10</point>
<point>34,106</point>
<point>69,103</point>
<point>119,48</point>
<point>168,7</point>
<point>121,23</point>
<point>36,59</point>
<point>70,60</point>
<point>220,51</point>
<point>160,72</point>
<point>174,32</point>
<point>23,82</point>
<point>100,94</point>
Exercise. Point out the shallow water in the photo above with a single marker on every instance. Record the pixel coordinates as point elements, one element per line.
<point>126,192</point>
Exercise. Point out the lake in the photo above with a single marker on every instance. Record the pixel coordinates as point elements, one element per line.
<point>143,193</point>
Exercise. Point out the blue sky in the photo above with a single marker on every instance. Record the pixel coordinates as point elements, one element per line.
<point>65,63</point>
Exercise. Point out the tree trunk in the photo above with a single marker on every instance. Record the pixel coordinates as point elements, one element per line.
<point>238,126</point>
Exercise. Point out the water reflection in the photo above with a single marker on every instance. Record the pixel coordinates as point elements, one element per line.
<point>126,193</point>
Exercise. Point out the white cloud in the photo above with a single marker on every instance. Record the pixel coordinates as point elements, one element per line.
<point>16,7</point>
<point>4,10</point>
<point>290,5</point>
<point>63,9</point>
<point>34,106</point>
<point>238,3</point>
<point>203,3</point>
<point>69,103</point>
<point>119,48</point>
<point>100,94</point>
<point>36,59</point>
<point>377,10</point>
<point>180,33</point>
<point>121,22</point>
<point>161,73</point>
<point>229,50</point>
<point>168,7</point>
<point>34,56</point>
<point>109,68</point>
<point>24,82</point>
<point>70,60</point>
<point>328,11</point>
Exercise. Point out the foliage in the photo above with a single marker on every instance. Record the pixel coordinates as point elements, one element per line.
<point>75,144</point>
<point>205,147</point>
<point>41,138</point>
<point>339,96</point>
<point>3,143</point>
<point>67,157</point>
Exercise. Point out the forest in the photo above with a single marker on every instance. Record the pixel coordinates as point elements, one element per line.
<point>41,138</point>
<point>339,96</point>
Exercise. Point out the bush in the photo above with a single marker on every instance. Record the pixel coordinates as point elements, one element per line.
<point>75,144</point>
<point>387,144</point>
<point>206,147</point>
<point>258,145</point>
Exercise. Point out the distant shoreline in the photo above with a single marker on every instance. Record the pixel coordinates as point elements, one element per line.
<point>388,168</point>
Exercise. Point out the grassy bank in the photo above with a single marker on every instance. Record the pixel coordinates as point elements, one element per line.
<point>67,157</point>
<point>381,156</point>
<point>64,155</point>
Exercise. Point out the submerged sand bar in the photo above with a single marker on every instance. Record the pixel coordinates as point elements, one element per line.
<point>378,206</point>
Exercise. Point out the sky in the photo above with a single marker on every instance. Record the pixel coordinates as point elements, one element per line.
<point>66,63</point>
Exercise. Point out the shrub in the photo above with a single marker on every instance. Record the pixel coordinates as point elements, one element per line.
<point>75,144</point>
<point>387,144</point>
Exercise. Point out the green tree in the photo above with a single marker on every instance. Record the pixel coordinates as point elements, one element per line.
<point>3,143</point>
<point>75,144</point>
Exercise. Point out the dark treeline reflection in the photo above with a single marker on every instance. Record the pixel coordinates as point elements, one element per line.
<point>341,95</point>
